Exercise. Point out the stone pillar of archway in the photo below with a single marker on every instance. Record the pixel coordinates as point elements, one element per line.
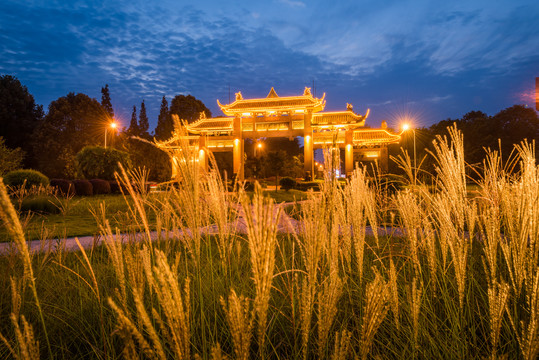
<point>384,159</point>
<point>308,145</point>
<point>348,152</point>
<point>174,163</point>
<point>238,158</point>
<point>202,154</point>
<point>238,148</point>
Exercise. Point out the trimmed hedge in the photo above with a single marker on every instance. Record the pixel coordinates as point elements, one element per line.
<point>32,177</point>
<point>100,186</point>
<point>41,204</point>
<point>114,187</point>
<point>306,185</point>
<point>83,188</point>
<point>64,187</point>
<point>287,183</point>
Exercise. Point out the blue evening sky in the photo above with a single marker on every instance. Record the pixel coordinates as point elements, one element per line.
<point>429,60</point>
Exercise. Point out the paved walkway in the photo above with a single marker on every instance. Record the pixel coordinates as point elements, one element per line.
<point>286,225</point>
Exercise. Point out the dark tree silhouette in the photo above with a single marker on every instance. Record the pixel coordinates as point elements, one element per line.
<point>133,129</point>
<point>143,123</point>
<point>164,127</point>
<point>188,108</point>
<point>73,122</point>
<point>19,116</point>
<point>105,101</point>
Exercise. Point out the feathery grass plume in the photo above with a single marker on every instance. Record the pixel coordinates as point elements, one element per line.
<point>415,307</point>
<point>222,211</point>
<point>261,218</point>
<point>455,215</point>
<point>217,353</point>
<point>528,334</point>
<point>27,347</point>
<point>174,306</point>
<point>10,220</point>
<point>240,322</point>
<point>139,180</point>
<point>375,311</point>
<point>498,293</point>
<point>312,243</point>
<point>137,210</point>
<point>307,294</point>
<point>342,345</point>
<point>520,215</point>
<point>361,207</point>
<point>404,162</point>
<point>411,216</point>
<point>394,292</point>
<point>115,250</point>
<point>187,200</point>
<point>130,334</point>
<point>328,297</point>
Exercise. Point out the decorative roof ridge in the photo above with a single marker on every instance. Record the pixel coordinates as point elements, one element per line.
<point>272,93</point>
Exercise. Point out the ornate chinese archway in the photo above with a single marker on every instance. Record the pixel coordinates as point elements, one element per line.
<point>291,116</point>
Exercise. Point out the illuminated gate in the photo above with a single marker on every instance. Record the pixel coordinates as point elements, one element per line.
<point>291,116</point>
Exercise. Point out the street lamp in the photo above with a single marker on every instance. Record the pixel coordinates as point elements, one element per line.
<point>112,125</point>
<point>257,148</point>
<point>406,127</point>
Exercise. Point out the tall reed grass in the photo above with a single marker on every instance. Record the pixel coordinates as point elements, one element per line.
<point>433,270</point>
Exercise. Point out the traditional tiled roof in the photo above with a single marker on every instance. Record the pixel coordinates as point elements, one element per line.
<point>211,125</point>
<point>374,137</point>
<point>274,103</point>
<point>338,118</point>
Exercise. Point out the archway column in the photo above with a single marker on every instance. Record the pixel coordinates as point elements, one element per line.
<point>348,152</point>
<point>308,148</point>
<point>202,154</point>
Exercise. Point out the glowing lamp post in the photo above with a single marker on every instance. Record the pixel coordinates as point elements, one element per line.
<point>112,125</point>
<point>406,127</point>
<point>258,148</point>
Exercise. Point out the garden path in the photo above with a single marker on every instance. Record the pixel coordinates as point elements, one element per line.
<point>286,224</point>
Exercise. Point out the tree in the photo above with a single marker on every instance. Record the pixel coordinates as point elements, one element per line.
<point>143,123</point>
<point>73,122</point>
<point>133,129</point>
<point>515,124</point>
<point>19,116</point>
<point>164,127</point>
<point>188,108</point>
<point>275,163</point>
<point>105,101</point>
<point>101,163</point>
<point>10,159</point>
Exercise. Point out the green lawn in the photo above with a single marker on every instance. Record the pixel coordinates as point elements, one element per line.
<point>76,215</point>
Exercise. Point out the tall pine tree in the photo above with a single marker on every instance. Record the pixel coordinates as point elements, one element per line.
<point>105,101</point>
<point>143,123</point>
<point>164,127</point>
<point>133,129</point>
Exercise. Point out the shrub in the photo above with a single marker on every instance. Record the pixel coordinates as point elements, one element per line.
<point>98,162</point>
<point>306,185</point>
<point>100,186</point>
<point>41,204</point>
<point>115,187</point>
<point>287,183</point>
<point>32,177</point>
<point>83,187</point>
<point>64,187</point>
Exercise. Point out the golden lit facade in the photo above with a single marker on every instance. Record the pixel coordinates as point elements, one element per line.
<point>291,116</point>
